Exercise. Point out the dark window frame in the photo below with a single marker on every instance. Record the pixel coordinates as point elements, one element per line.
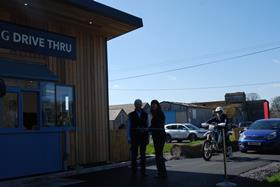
<point>73,120</point>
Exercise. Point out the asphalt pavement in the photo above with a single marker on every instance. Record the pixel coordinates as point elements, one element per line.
<point>190,172</point>
<point>186,172</point>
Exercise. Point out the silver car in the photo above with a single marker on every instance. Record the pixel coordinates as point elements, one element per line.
<point>182,132</point>
<point>198,132</point>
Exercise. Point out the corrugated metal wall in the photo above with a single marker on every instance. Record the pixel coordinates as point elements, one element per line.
<point>199,115</point>
<point>176,113</point>
<point>170,117</point>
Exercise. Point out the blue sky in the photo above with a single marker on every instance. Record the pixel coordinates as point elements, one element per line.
<point>187,32</point>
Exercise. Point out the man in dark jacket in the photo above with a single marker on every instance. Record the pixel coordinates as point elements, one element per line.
<point>220,117</point>
<point>138,136</point>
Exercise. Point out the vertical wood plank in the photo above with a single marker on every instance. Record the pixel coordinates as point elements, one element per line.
<point>88,73</point>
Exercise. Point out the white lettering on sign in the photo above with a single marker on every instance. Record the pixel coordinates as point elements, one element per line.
<point>59,46</point>
<point>68,48</point>
<point>41,42</point>
<point>28,40</point>
<point>16,37</point>
<point>5,35</point>
<point>24,39</point>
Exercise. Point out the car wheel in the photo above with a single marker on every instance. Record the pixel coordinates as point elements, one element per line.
<point>168,138</point>
<point>192,137</point>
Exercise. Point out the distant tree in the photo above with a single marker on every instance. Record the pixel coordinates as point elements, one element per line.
<point>252,96</point>
<point>275,104</point>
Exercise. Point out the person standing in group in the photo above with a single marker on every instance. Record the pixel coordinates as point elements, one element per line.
<point>138,136</point>
<point>158,135</point>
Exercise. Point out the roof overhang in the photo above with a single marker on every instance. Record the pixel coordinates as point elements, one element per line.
<point>106,20</point>
<point>107,11</point>
<point>25,70</point>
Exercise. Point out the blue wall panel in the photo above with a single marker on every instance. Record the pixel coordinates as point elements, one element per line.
<point>170,117</point>
<point>29,153</point>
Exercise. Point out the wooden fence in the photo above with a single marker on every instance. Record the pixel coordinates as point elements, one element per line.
<point>119,148</point>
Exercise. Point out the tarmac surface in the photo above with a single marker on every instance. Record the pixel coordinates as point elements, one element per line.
<point>189,172</point>
<point>185,172</point>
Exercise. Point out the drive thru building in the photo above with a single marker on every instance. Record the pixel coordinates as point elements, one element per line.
<point>53,59</point>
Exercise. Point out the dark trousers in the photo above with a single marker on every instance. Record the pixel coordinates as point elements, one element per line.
<point>159,141</point>
<point>135,146</point>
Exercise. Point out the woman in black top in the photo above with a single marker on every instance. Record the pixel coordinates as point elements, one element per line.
<point>158,134</point>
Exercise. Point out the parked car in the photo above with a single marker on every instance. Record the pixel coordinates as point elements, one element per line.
<point>197,133</point>
<point>244,125</point>
<point>261,135</point>
<point>182,132</point>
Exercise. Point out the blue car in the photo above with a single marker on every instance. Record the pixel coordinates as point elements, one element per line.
<point>261,135</point>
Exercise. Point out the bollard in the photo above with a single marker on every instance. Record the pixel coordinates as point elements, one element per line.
<point>225,183</point>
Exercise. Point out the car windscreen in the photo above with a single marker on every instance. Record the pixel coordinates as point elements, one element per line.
<point>245,124</point>
<point>192,127</point>
<point>271,125</point>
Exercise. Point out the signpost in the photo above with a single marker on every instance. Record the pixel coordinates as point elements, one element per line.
<point>225,183</point>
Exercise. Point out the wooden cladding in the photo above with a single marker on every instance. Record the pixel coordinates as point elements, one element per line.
<point>120,149</point>
<point>88,73</point>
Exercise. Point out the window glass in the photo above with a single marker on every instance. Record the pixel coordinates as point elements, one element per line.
<point>9,111</point>
<point>172,127</point>
<point>192,127</point>
<point>30,110</point>
<point>181,127</point>
<point>48,104</point>
<point>64,105</point>
<point>269,125</point>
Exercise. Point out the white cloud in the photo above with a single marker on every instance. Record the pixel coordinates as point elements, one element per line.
<point>276,61</point>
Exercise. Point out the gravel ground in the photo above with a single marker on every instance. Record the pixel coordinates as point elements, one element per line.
<point>260,174</point>
<point>255,177</point>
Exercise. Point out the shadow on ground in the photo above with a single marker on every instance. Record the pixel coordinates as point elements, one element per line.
<point>265,152</point>
<point>122,177</point>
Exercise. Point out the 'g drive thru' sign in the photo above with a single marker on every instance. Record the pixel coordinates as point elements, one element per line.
<point>22,38</point>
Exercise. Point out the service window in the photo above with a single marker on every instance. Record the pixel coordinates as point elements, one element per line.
<point>57,105</point>
<point>9,111</point>
<point>19,106</point>
<point>64,105</point>
<point>48,104</point>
